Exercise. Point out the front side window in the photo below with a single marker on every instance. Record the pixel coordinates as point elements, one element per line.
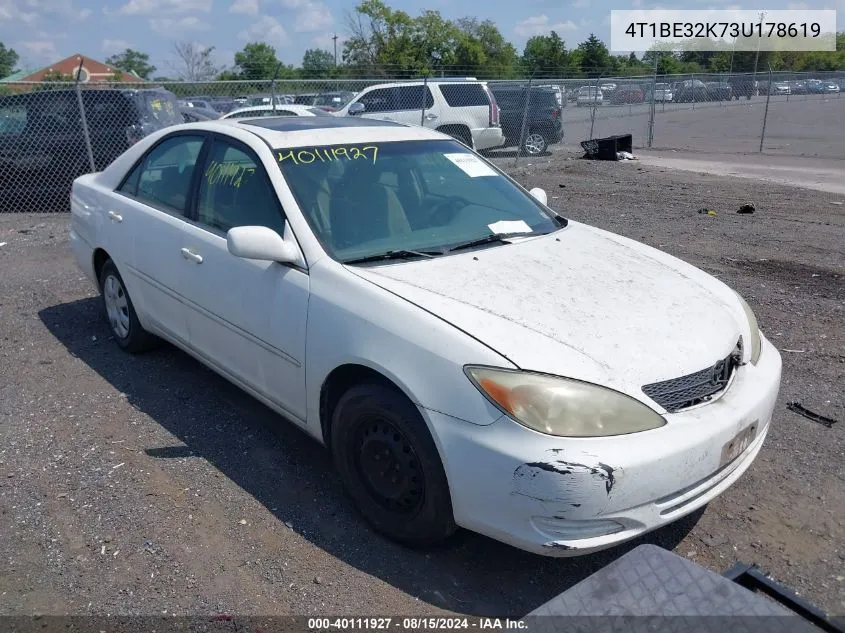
<point>235,191</point>
<point>363,200</point>
<point>379,100</point>
<point>163,178</point>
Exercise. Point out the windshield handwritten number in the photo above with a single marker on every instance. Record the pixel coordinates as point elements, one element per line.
<point>308,156</point>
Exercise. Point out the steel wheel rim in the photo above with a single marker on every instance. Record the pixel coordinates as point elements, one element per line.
<point>389,467</point>
<point>117,306</point>
<point>534,144</point>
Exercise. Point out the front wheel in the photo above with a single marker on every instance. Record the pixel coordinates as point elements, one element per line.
<point>390,466</point>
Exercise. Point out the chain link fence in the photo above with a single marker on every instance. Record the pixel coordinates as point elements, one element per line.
<point>52,132</point>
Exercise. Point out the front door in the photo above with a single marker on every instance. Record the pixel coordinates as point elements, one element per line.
<point>246,317</point>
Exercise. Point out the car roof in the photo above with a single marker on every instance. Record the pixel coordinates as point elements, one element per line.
<point>288,131</point>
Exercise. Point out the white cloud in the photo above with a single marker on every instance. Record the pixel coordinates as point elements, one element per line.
<point>176,25</point>
<point>797,6</point>
<point>40,48</point>
<point>314,16</point>
<point>266,29</point>
<point>115,46</point>
<point>83,14</point>
<point>580,4</point>
<point>11,12</point>
<point>539,25</point>
<point>247,7</point>
<point>159,7</point>
<point>293,4</point>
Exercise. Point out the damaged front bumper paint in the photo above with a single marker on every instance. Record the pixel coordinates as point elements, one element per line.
<point>571,496</point>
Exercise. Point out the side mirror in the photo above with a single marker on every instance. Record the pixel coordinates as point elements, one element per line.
<point>539,194</point>
<point>356,108</point>
<point>260,242</point>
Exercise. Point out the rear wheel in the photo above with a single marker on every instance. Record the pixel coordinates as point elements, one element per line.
<point>125,327</point>
<point>390,466</point>
<point>534,144</point>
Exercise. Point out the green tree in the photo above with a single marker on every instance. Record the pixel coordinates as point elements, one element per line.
<point>482,50</point>
<point>8,60</point>
<point>257,61</point>
<point>195,61</point>
<point>546,54</point>
<point>595,58</point>
<point>317,63</point>
<point>132,61</point>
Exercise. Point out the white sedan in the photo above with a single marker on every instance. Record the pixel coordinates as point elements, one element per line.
<point>289,109</point>
<point>470,357</point>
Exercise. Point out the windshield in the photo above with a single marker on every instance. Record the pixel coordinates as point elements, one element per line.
<point>373,198</point>
<point>335,100</point>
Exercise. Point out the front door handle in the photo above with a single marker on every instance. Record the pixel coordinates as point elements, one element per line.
<point>191,256</point>
<point>116,217</point>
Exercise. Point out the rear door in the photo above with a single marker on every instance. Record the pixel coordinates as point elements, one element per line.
<point>152,217</point>
<point>404,104</point>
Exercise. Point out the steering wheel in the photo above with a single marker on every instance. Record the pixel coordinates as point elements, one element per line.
<point>444,212</point>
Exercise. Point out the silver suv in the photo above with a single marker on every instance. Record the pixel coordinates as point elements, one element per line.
<point>465,109</point>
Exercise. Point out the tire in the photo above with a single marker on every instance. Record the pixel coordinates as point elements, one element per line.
<point>375,426</point>
<point>534,144</point>
<point>123,321</point>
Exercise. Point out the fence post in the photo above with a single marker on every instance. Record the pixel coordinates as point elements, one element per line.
<point>653,97</point>
<point>424,95</point>
<point>524,122</point>
<point>595,105</point>
<point>766,111</point>
<point>692,87</point>
<point>273,87</point>
<point>85,133</point>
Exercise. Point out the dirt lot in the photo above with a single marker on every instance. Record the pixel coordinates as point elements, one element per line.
<point>147,485</point>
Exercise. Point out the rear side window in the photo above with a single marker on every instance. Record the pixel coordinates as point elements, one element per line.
<point>462,95</point>
<point>163,178</point>
<point>12,118</point>
<point>411,97</point>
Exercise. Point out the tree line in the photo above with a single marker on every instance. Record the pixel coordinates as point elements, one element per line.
<point>383,42</point>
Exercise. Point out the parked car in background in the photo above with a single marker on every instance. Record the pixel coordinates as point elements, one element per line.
<point>223,105</point>
<point>559,95</point>
<point>543,124</point>
<point>304,99</point>
<point>332,101</point>
<point>465,109</point>
<point>779,88</point>
<point>42,145</point>
<point>627,93</point>
<point>719,91</point>
<point>607,88</point>
<point>266,99</point>
<point>194,114</point>
<point>662,93</point>
<point>799,87</point>
<point>289,109</point>
<point>691,90</point>
<point>742,86</point>
<point>193,102</point>
<point>468,357</point>
<point>589,96</point>
<point>817,86</point>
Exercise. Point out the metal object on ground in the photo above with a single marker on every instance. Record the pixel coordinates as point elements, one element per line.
<point>800,409</point>
<point>608,147</point>
<point>652,589</point>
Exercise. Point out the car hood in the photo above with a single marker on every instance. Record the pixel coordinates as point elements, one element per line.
<point>580,302</point>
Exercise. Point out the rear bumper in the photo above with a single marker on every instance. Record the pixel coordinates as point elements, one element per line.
<point>83,253</point>
<point>487,137</point>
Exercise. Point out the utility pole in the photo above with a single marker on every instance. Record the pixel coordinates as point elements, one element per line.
<point>757,56</point>
<point>334,39</point>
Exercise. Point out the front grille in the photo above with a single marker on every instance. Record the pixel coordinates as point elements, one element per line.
<point>686,391</point>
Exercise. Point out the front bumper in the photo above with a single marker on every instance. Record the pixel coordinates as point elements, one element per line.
<point>572,496</point>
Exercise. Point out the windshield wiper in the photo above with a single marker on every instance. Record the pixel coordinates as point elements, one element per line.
<point>397,254</point>
<point>490,239</point>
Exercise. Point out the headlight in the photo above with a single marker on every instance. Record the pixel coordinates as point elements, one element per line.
<point>755,330</point>
<point>561,406</point>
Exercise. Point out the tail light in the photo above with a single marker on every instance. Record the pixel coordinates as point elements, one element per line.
<point>555,113</point>
<point>494,107</point>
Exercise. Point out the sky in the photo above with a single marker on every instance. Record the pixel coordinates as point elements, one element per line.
<point>42,31</point>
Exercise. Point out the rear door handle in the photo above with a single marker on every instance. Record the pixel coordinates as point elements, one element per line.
<point>191,255</point>
<point>116,217</point>
<point>430,117</point>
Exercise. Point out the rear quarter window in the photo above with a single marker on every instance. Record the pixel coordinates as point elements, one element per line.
<point>463,95</point>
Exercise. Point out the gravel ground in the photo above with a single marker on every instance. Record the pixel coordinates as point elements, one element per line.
<point>148,485</point>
